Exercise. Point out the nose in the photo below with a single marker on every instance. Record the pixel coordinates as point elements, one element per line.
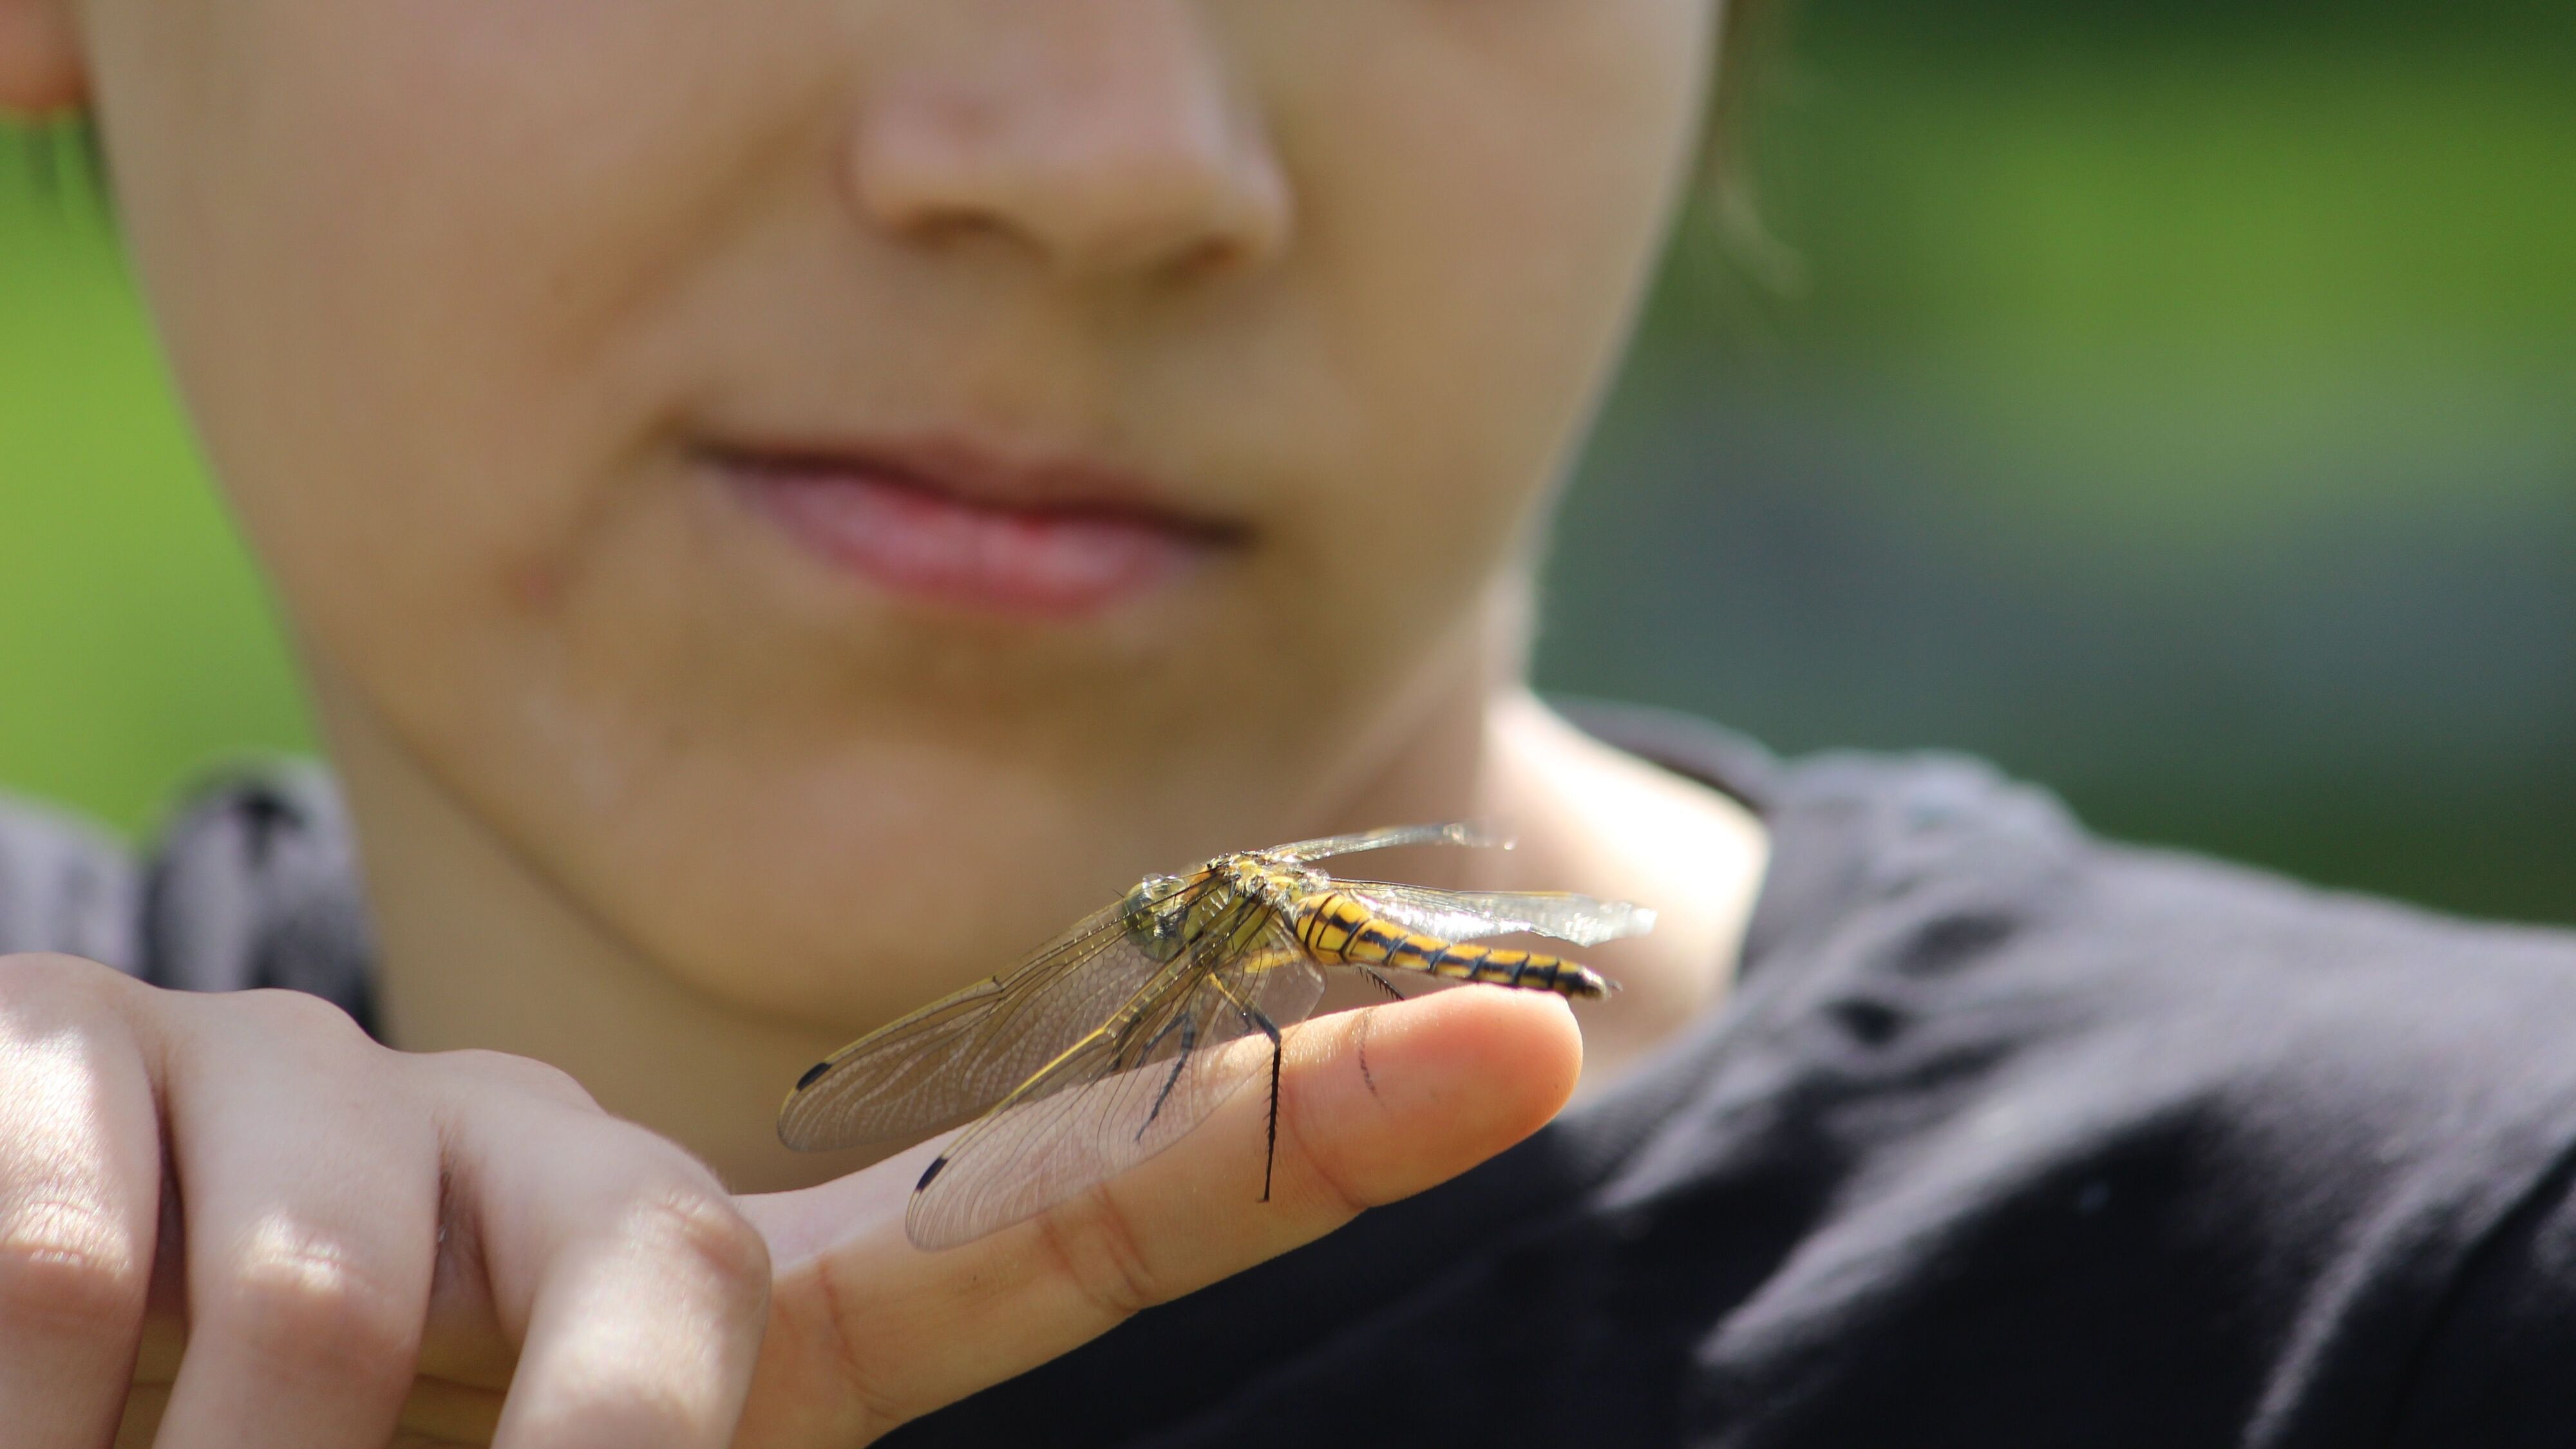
<point>1105,136</point>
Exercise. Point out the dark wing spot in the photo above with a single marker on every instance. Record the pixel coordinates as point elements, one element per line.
<point>930,1172</point>
<point>816,1070</point>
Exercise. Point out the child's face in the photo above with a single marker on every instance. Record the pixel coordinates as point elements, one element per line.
<point>562,356</point>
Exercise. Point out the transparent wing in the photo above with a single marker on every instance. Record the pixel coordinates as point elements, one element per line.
<point>1454,833</point>
<point>952,1060</point>
<point>1131,1089</point>
<point>1468,915</point>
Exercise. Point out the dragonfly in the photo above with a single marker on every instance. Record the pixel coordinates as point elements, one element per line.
<point>1109,1043</point>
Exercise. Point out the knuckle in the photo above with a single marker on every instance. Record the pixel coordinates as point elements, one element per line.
<point>306,1015</point>
<point>700,1227</point>
<point>70,1266</point>
<point>29,975</point>
<point>1308,1156</point>
<point>297,1298</point>
<point>526,1074</point>
<point>1094,1244</point>
<point>850,1333</point>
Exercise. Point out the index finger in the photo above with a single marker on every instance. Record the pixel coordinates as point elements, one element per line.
<point>867,1331</point>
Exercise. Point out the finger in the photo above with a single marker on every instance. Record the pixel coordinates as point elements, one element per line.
<point>464,1346</point>
<point>465,1361</point>
<point>867,1331</point>
<point>310,1179</point>
<point>80,1185</point>
<point>636,1290</point>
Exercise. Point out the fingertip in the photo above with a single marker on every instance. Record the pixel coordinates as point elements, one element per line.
<point>1419,1092</point>
<point>1523,1041</point>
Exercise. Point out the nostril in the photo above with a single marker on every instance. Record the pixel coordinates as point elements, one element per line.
<point>1092,172</point>
<point>1210,258</point>
<point>945,230</point>
<point>1088,217</point>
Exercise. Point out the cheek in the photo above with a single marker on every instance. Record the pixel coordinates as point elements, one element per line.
<point>403,254</point>
<point>1483,189</point>
<point>1515,196</point>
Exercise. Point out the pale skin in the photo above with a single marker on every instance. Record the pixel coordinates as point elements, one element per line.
<point>656,809</point>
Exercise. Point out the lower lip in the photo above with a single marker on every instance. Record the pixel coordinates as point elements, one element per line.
<point>922,544</point>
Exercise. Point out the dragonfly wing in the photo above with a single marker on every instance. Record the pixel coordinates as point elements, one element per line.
<point>1276,978</point>
<point>1126,1092</point>
<point>952,1060</point>
<point>1469,915</point>
<point>1454,833</point>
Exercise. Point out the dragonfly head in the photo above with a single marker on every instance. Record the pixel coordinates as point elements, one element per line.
<point>1157,911</point>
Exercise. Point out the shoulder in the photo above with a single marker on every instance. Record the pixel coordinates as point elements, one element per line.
<point>252,882</point>
<point>65,885</point>
<point>1952,897</point>
<point>2226,1148</point>
<point>255,883</point>
<point>1895,867</point>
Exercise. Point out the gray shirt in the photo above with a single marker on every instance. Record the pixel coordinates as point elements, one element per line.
<point>252,883</point>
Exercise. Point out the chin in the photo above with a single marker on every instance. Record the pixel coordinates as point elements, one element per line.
<point>855,889</point>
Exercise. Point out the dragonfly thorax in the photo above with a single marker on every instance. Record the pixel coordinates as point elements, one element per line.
<point>1166,914</point>
<point>1263,878</point>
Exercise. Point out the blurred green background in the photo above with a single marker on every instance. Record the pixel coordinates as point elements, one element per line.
<point>2174,402</point>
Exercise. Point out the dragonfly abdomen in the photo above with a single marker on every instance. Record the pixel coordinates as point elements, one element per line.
<point>1342,931</point>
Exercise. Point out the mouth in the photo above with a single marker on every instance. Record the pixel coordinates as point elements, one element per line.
<point>950,522</point>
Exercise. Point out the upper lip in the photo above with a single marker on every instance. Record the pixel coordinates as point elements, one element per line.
<point>982,475</point>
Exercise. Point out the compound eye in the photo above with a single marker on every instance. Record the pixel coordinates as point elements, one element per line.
<point>1151,889</point>
<point>1158,898</point>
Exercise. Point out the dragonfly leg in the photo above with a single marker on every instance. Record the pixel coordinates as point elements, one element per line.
<point>1270,1153</point>
<point>1189,1029</point>
<point>1278,1050</point>
<point>1383,984</point>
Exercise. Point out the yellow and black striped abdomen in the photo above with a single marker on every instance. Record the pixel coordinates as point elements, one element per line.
<point>1342,931</point>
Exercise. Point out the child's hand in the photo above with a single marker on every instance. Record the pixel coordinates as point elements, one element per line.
<point>466,1247</point>
<point>865,1331</point>
<point>331,1220</point>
